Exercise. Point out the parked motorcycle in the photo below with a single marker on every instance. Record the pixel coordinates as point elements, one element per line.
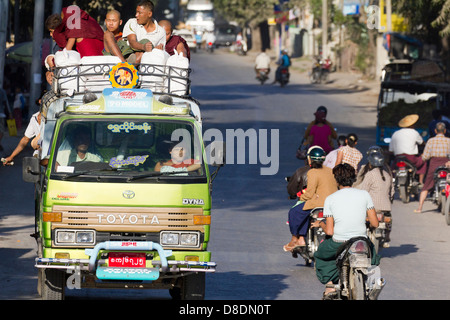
<point>263,75</point>
<point>320,71</point>
<point>380,236</point>
<point>241,48</point>
<point>406,180</point>
<point>313,238</point>
<point>358,278</point>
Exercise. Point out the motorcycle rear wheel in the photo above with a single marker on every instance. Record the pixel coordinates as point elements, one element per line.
<point>357,286</point>
<point>404,194</point>
<point>447,211</point>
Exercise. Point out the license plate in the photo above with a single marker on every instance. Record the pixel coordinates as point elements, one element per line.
<point>127,259</point>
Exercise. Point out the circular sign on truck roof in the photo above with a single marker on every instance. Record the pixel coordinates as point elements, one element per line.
<point>123,75</point>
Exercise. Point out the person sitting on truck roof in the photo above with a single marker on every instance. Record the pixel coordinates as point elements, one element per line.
<point>174,42</point>
<point>140,34</point>
<point>81,141</point>
<point>179,161</point>
<point>74,29</point>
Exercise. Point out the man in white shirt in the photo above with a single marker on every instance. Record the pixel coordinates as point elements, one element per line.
<point>140,34</point>
<point>262,61</point>
<point>405,142</point>
<point>33,130</point>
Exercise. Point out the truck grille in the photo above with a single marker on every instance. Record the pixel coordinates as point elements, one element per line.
<point>128,219</point>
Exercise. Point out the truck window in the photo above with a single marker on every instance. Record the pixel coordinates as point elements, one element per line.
<point>132,149</point>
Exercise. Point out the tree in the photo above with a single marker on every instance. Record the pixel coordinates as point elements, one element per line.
<point>443,20</point>
<point>245,12</point>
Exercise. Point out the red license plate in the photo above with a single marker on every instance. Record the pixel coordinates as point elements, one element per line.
<point>126,259</point>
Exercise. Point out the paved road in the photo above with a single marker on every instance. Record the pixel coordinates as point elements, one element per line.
<point>250,209</point>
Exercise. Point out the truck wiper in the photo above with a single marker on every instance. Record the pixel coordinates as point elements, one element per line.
<point>68,176</point>
<point>152,174</point>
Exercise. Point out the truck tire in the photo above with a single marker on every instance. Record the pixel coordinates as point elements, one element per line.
<point>192,288</point>
<point>53,283</point>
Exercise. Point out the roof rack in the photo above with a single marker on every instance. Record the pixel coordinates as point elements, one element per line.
<point>94,77</point>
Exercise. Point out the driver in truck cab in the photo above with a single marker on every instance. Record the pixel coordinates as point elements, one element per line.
<point>81,141</point>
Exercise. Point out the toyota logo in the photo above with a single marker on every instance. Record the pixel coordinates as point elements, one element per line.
<point>128,194</point>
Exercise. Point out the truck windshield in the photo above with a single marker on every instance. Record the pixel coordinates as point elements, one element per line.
<point>207,15</point>
<point>131,149</point>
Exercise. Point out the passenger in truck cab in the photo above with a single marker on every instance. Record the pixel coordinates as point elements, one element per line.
<point>179,160</point>
<point>174,42</point>
<point>80,150</point>
<point>140,34</point>
<point>74,29</point>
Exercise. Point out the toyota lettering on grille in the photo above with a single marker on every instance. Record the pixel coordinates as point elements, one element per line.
<point>128,194</point>
<point>127,219</point>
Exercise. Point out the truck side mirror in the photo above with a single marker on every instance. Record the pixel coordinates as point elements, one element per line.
<point>215,152</point>
<point>31,169</point>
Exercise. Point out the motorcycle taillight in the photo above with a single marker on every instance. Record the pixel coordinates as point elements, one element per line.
<point>401,164</point>
<point>210,43</point>
<point>284,71</point>
<point>442,174</point>
<point>320,214</point>
<point>359,246</point>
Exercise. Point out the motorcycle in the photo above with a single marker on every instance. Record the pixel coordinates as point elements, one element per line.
<point>313,238</point>
<point>440,181</point>
<point>263,75</point>
<point>358,278</point>
<point>380,236</point>
<point>406,180</point>
<point>241,47</point>
<point>210,47</point>
<point>284,77</point>
<point>447,201</point>
<point>320,71</point>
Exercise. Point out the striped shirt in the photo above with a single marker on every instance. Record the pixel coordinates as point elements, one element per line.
<point>438,146</point>
<point>352,156</point>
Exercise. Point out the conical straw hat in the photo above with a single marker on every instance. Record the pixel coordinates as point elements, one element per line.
<point>409,120</point>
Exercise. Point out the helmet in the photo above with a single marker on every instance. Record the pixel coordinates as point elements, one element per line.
<point>316,153</point>
<point>375,156</point>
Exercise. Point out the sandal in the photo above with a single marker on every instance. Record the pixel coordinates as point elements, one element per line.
<point>328,295</point>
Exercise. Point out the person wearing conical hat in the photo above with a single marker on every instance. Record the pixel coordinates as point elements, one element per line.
<point>406,141</point>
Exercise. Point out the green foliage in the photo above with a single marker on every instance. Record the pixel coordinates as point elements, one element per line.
<point>245,11</point>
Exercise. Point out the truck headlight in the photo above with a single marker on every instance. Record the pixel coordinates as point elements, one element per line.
<point>85,237</point>
<point>65,237</point>
<point>180,239</point>
<point>189,239</point>
<point>169,238</point>
<point>74,237</point>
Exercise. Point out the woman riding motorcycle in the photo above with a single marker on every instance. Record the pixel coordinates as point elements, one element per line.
<point>376,178</point>
<point>320,184</point>
<point>345,212</point>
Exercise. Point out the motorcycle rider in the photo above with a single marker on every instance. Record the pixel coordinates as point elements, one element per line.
<point>436,150</point>
<point>405,142</point>
<point>320,184</point>
<point>320,131</point>
<point>345,212</point>
<point>376,178</point>
<point>283,63</point>
<point>262,61</point>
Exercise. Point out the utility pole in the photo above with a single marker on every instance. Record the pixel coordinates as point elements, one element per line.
<point>36,66</point>
<point>388,15</point>
<point>3,30</point>
<point>324,28</point>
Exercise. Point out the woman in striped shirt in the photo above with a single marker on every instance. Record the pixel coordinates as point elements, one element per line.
<point>349,154</point>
